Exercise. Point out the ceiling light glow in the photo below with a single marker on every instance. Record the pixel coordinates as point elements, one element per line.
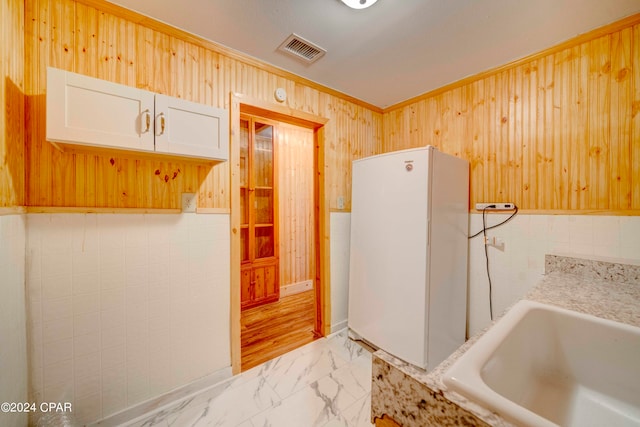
<point>358,4</point>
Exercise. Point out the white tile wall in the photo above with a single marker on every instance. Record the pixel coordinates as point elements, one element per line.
<point>125,307</point>
<point>13,336</point>
<point>517,267</point>
<point>122,308</point>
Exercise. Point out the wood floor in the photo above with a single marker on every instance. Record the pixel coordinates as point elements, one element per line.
<point>273,329</point>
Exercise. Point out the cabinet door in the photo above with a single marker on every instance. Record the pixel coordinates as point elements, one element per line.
<point>263,195</point>
<point>87,111</point>
<point>247,291</point>
<point>270,286</point>
<point>258,212</point>
<point>191,129</point>
<point>259,283</point>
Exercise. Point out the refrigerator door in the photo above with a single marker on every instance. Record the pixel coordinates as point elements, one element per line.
<point>448,247</point>
<point>387,278</point>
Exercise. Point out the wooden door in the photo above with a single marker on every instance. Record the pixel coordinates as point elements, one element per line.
<point>258,217</point>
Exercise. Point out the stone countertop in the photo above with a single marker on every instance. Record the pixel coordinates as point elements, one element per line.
<point>604,289</point>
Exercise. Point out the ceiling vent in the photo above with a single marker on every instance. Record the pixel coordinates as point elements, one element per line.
<point>302,49</point>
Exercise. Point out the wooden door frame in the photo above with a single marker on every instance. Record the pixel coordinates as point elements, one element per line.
<point>257,107</point>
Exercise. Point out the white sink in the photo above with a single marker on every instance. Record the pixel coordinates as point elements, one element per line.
<point>543,366</point>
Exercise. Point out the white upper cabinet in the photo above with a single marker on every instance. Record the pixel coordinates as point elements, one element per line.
<point>89,112</point>
<point>191,129</point>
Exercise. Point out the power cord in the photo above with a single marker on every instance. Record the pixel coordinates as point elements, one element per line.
<point>497,225</point>
<point>486,257</point>
<point>486,251</point>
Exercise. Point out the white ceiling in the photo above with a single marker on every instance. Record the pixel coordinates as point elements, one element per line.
<point>396,49</point>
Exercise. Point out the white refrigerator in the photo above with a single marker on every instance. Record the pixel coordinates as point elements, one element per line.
<point>408,255</point>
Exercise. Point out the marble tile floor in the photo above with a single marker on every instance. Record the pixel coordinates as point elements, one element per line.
<point>326,383</point>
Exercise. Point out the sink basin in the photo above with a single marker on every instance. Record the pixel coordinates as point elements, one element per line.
<point>541,365</point>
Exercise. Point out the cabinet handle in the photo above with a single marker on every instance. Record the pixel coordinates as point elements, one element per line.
<point>148,120</point>
<point>162,123</point>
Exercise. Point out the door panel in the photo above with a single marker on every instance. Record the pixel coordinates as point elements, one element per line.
<point>246,293</point>
<point>258,275</point>
<point>265,243</point>
<point>271,280</point>
<point>263,155</point>
<point>264,205</point>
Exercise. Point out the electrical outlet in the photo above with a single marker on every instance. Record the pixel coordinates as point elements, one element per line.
<point>496,242</point>
<point>495,206</point>
<point>340,202</point>
<point>188,202</point>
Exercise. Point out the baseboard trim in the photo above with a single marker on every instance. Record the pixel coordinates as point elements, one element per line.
<point>296,288</point>
<point>338,326</point>
<point>169,398</point>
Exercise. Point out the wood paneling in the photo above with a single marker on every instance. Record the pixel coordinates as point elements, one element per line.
<point>12,102</point>
<point>114,44</point>
<point>295,196</point>
<point>558,131</point>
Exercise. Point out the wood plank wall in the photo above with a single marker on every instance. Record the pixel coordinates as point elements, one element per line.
<point>295,199</point>
<point>12,102</point>
<point>99,39</point>
<point>557,131</point>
